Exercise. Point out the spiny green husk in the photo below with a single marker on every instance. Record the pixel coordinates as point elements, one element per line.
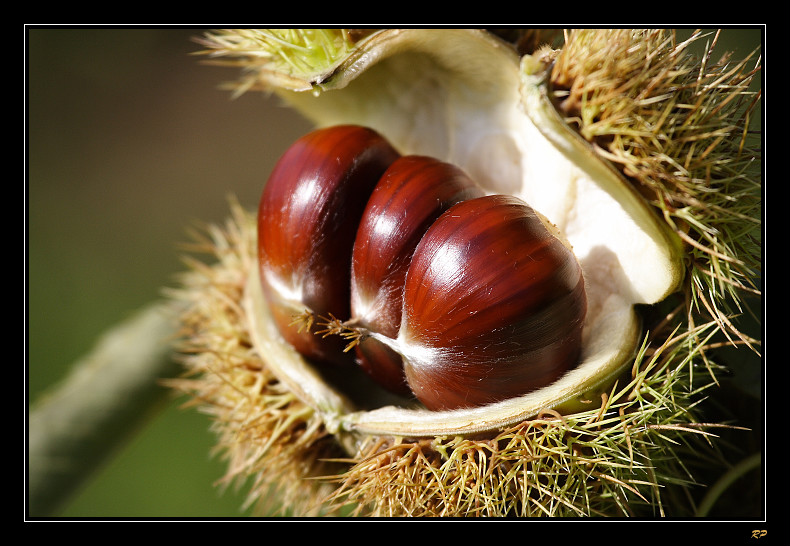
<point>678,127</point>
<point>631,456</point>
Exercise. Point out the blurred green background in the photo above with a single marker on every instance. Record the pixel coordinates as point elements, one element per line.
<point>130,142</point>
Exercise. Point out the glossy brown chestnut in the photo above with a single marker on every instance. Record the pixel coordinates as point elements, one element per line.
<point>410,196</point>
<point>494,305</point>
<point>308,216</point>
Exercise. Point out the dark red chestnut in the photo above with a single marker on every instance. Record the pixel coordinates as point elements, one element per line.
<point>494,305</point>
<point>307,221</point>
<point>410,196</point>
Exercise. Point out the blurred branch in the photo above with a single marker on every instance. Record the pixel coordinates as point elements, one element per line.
<point>731,476</point>
<point>110,391</point>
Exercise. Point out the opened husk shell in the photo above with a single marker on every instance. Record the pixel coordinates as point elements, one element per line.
<point>594,443</point>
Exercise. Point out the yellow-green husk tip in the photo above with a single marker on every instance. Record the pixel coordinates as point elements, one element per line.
<point>291,55</point>
<point>681,129</point>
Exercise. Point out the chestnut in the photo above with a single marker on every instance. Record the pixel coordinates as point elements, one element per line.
<point>411,195</point>
<point>308,216</point>
<point>493,306</point>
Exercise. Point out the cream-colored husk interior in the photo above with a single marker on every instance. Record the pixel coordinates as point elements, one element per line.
<point>464,97</point>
